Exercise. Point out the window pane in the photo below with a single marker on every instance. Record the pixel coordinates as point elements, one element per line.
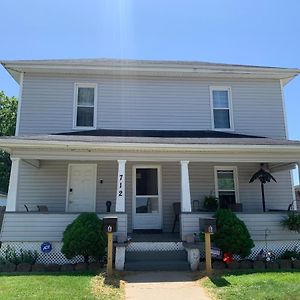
<point>146,205</point>
<point>146,182</point>
<point>226,198</point>
<point>85,116</point>
<point>85,96</point>
<point>221,118</point>
<point>220,99</point>
<point>225,180</point>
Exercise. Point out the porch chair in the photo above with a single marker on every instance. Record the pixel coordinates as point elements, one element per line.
<point>42,208</point>
<point>177,209</point>
<point>236,207</point>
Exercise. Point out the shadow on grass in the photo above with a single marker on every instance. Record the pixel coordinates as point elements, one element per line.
<point>219,281</point>
<point>72,273</point>
<point>114,281</point>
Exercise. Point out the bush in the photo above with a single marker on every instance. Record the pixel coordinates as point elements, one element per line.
<point>85,237</point>
<point>232,235</point>
<point>290,255</point>
<point>25,256</point>
<point>292,221</point>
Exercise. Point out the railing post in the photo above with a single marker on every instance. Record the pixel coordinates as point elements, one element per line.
<point>13,185</point>
<point>120,195</point>
<point>185,187</point>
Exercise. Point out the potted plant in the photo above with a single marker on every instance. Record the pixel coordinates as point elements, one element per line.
<point>292,221</point>
<point>210,203</point>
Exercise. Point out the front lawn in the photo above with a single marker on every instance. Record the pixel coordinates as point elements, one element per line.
<point>59,286</point>
<point>258,286</point>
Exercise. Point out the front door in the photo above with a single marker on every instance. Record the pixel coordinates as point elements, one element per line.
<point>81,194</point>
<point>147,208</point>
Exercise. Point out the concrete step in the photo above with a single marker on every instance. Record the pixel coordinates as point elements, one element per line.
<point>157,265</point>
<point>141,256</point>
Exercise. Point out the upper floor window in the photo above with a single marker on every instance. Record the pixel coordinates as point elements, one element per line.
<point>226,186</point>
<point>85,105</point>
<point>221,108</point>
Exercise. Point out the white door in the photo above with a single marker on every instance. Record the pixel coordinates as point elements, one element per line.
<point>147,207</point>
<point>81,194</point>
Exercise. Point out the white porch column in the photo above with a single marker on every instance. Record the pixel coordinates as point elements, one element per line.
<point>295,203</point>
<point>186,205</point>
<point>120,196</point>
<point>13,185</point>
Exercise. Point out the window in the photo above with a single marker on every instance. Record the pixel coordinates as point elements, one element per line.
<point>226,186</point>
<point>221,108</point>
<point>85,105</point>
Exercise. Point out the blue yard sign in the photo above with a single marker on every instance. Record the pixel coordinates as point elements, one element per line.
<point>46,247</point>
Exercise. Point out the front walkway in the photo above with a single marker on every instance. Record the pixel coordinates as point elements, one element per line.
<point>163,285</point>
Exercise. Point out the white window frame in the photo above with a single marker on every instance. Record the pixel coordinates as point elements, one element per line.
<point>230,108</point>
<point>76,87</point>
<point>235,178</point>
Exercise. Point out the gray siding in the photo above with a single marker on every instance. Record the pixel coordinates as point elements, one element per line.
<point>257,225</point>
<point>151,103</point>
<point>47,185</point>
<point>33,227</point>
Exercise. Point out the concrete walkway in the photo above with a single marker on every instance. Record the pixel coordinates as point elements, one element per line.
<point>163,285</point>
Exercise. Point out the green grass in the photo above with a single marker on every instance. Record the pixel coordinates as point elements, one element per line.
<point>59,286</point>
<point>255,286</point>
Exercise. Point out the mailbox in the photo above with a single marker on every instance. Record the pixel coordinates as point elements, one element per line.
<point>110,224</point>
<point>208,225</point>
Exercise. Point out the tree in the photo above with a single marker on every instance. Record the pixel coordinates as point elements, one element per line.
<point>232,235</point>
<point>8,116</point>
<point>85,237</point>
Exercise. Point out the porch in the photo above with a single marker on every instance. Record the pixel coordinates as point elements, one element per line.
<point>47,182</point>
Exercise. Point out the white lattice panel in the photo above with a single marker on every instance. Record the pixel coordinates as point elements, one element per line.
<point>277,247</point>
<point>154,246</point>
<point>54,257</point>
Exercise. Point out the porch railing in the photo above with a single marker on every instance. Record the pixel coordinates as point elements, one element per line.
<point>258,224</point>
<point>32,227</point>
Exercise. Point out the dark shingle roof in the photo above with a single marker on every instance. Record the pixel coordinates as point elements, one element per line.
<point>160,133</point>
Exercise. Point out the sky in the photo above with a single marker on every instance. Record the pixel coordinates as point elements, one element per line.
<point>256,32</point>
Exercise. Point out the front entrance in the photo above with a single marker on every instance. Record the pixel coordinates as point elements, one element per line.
<point>147,204</point>
<point>81,190</point>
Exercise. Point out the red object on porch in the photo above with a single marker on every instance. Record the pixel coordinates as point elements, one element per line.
<point>228,257</point>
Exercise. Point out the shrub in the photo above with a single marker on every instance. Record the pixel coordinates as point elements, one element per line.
<point>25,256</point>
<point>210,203</point>
<point>290,254</point>
<point>232,235</point>
<point>292,221</point>
<point>85,237</point>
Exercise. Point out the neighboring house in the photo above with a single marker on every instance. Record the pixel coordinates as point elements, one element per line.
<point>297,196</point>
<point>3,198</point>
<point>144,135</point>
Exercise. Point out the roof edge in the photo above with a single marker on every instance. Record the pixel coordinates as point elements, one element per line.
<point>131,66</point>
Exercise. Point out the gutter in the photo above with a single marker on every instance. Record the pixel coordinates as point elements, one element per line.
<point>148,146</point>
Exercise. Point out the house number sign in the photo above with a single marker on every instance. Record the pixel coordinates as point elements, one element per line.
<point>121,183</point>
<point>120,197</point>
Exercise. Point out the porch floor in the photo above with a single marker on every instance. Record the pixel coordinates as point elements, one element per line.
<point>155,237</point>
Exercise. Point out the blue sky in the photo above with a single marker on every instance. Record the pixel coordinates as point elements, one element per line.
<point>257,32</point>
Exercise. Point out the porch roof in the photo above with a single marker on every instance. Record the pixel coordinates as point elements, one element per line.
<point>105,137</point>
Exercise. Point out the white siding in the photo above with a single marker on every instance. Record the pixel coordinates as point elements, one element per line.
<point>257,225</point>
<point>47,185</point>
<point>151,103</point>
<point>32,227</point>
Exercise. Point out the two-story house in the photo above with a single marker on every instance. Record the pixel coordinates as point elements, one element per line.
<point>130,138</point>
